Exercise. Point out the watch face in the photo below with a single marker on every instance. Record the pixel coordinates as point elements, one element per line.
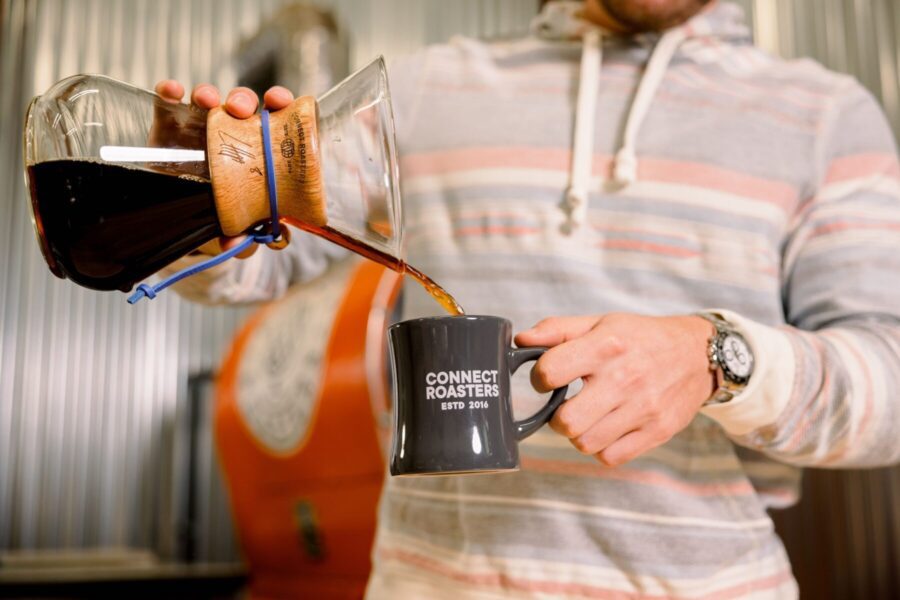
<point>736,356</point>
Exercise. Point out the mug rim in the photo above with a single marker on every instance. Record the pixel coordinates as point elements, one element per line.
<point>478,318</point>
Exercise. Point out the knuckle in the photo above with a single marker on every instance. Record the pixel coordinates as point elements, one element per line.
<point>638,379</point>
<point>654,409</point>
<point>542,375</point>
<point>610,458</point>
<point>659,418</point>
<point>566,423</point>
<point>614,345</point>
<point>583,445</point>
<point>618,377</point>
<point>555,426</point>
<point>665,427</point>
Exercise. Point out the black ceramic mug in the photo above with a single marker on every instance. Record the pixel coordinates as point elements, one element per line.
<point>452,407</point>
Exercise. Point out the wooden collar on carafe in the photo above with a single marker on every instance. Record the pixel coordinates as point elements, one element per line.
<point>238,171</point>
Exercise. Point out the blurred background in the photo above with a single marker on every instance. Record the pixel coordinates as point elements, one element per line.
<point>105,438</point>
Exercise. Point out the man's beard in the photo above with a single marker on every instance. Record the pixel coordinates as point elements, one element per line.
<point>652,15</point>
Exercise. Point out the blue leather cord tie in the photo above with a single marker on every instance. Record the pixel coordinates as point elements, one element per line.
<point>261,235</point>
<point>270,174</point>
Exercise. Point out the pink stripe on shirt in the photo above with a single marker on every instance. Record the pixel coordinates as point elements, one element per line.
<point>649,169</point>
<point>653,478</point>
<point>863,165</point>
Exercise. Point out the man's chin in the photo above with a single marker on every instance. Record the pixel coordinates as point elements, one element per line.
<point>649,15</point>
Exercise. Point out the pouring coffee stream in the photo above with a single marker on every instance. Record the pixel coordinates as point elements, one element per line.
<point>124,183</point>
<point>440,295</point>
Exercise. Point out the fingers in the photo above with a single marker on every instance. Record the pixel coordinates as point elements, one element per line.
<point>241,102</point>
<point>210,248</point>
<point>277,97</point>
<point>630,446</point>
<point>220,245</point>
<point>205,96</point>
<point>556,330</point>
<point>579,413</point>
<point>603,433</point>
<point>228,243</point>
<point>574,359</point>
<point>170,90</point>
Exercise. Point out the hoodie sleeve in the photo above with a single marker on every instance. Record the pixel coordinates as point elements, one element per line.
<point>825,392</point>
<point>268,274</point>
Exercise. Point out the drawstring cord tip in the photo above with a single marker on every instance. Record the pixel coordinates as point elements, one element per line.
<point>625,170</point>
<point>576,206</point>
<point>141,291</point>
<point>575,199</point>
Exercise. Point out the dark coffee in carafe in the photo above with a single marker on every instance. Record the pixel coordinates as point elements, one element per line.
<point>107,227</point>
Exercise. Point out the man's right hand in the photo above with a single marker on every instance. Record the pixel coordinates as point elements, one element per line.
<point>240,103</point>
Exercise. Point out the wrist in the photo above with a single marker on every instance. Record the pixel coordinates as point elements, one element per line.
<point>731,358</point>
<point>771,385</point>
<point>702,332</point>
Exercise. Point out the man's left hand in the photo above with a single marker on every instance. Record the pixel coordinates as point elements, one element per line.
<point>645,378</point>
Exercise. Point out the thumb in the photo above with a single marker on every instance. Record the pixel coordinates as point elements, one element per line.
<point>217,246</point>
<point>556,330</point>
<point>228,243</point>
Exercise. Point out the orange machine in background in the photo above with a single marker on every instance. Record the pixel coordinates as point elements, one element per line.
<point>298,399</point>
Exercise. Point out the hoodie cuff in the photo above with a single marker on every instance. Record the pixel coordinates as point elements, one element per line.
<point>769,390</point>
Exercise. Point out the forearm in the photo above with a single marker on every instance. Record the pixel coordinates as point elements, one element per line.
<point>825,398</point>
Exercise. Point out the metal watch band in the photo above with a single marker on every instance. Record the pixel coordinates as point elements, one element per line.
<point>726,390</point>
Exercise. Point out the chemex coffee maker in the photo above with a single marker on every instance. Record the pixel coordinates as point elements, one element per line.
<point>123,182</point>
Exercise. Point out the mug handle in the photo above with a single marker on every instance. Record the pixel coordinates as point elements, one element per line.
<point>525,427</point>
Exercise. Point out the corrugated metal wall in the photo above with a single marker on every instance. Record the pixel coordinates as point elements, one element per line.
<point>859,37</point>
<point>92,390</point>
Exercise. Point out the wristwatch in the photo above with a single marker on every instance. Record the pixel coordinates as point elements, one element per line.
<point>730,358</point>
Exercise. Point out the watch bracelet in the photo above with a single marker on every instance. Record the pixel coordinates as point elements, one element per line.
<point>722,393</point>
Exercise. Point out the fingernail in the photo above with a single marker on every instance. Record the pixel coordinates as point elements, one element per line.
<point>240,101</point>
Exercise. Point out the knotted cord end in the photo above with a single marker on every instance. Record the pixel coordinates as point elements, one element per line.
<point>576,204</point>
<point>141,291</point>
<point>625,170</point>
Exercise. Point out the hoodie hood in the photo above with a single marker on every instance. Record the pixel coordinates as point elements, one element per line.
<point>560,21</point>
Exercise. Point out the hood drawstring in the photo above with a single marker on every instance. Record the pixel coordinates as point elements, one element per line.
<point>625,165</point>
<point>625,171</point>
<point>583,135</point>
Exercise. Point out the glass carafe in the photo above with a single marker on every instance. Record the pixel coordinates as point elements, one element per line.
<point>123,183</point>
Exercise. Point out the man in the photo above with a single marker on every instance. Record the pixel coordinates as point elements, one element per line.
<point>628,168</point>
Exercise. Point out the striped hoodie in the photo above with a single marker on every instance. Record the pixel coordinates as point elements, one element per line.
<point>657,175</point>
